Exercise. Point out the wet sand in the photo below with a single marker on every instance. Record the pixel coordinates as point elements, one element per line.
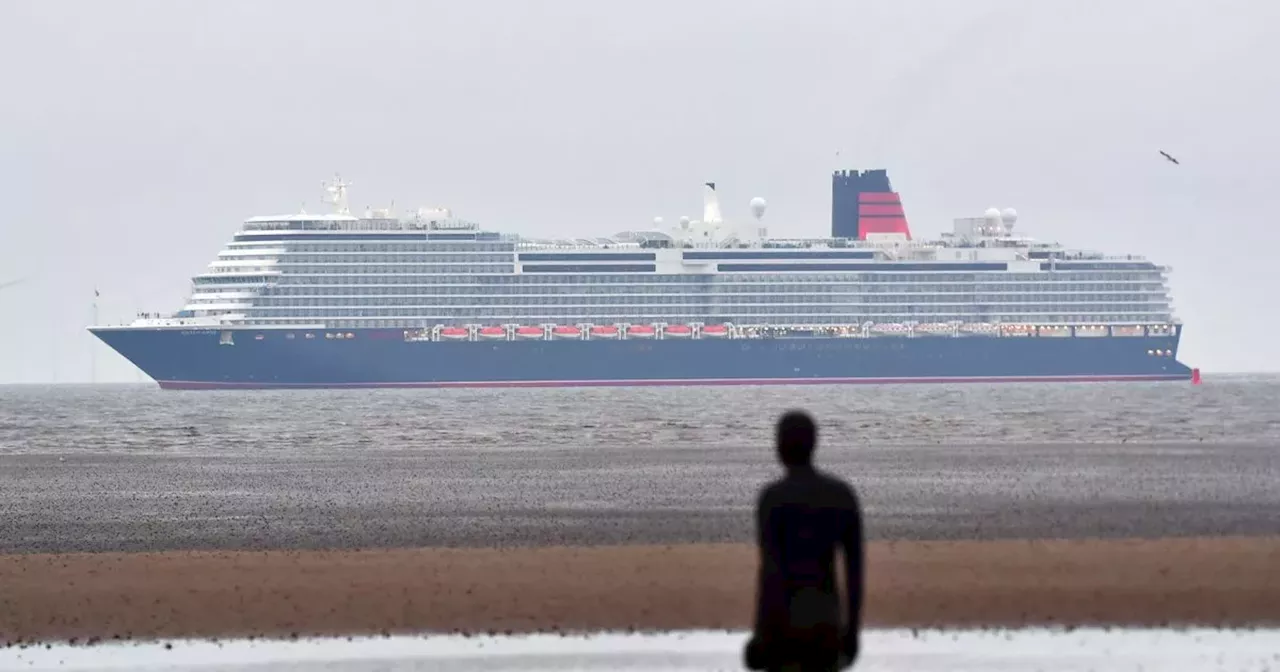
<point>603,495</point>
<point>102,596</point>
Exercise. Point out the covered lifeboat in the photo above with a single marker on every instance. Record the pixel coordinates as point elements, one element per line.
<point>454,334</point>
<point>677,331</point>
<point>934,329</point>
<point>564,332</point>
<point>640,331</point>
<point>715,331</point>
<point>605,331</point>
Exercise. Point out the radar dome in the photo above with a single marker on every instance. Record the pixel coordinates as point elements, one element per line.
<point>684,222</point>
<point>1009,215</point>
<point>657,221</point>
<point>757,207</point>
<point>992,213</point>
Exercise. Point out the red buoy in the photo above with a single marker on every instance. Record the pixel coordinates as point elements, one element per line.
<point>1195,376</point>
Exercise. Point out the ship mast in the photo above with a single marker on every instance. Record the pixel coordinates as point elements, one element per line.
<point>336,194</point>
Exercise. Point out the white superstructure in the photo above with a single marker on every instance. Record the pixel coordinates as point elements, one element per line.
<point>430,269</point>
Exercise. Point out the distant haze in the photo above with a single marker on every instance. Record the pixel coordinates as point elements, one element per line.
<point>135,136</point>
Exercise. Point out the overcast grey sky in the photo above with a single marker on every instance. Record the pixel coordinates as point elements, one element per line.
<point>135,136</point>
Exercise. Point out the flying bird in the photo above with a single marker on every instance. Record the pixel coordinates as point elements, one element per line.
<point>11,283</point>
<point>1170,158</point>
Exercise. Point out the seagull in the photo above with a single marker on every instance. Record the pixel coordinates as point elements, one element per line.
<point>1170,158</point>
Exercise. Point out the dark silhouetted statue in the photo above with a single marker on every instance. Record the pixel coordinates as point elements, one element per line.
<point>800,520</point>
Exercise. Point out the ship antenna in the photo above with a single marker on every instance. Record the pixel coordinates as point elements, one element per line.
<point>337,194</point>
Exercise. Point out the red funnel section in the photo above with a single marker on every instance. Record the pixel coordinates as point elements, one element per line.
<point>881,213</point>
<point>864,202</point>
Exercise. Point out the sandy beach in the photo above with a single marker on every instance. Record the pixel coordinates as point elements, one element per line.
<point>142,546</point>
<point>103,596</point>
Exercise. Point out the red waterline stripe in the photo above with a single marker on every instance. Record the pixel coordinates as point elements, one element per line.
<point>214,385</point>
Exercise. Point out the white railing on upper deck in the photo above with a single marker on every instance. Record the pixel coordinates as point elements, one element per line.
<point>527,244</point>
<point>306,223</point>
<point>302,223</point>
<point>892,249</point>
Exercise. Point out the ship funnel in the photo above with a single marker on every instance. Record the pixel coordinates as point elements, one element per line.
<point>710,204</point>
<point>863,202</point>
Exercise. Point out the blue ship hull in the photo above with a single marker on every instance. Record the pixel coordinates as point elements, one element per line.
<point>196,359</point>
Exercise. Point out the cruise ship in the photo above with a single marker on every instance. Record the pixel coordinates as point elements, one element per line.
<point>428,299</point>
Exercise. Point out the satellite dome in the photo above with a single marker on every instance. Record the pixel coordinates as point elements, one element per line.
<point>757,207</point>
<point>992,213</point>
<point>1009,215</point>
<point>657,221</point>
<point>684,222</point>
